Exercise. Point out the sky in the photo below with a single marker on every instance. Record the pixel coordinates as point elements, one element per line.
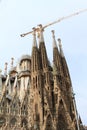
<point>19,16</point>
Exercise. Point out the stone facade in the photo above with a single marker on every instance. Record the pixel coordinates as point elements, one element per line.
<point>36,95</point>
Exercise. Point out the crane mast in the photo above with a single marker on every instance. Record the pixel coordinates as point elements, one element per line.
<point>37,29</point>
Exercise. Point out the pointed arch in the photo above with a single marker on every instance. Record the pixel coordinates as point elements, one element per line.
<point>24,122</point>
<point>61,102</point>
<point>62,121</point>
<point>62,124</point>
<point>2,121</point>
<point>49,123</point>
<point>13,121</point>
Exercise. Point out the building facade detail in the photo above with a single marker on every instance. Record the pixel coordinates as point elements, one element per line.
<point>35,95</point>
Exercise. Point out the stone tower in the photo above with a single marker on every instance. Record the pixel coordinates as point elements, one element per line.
<point>36,95</point>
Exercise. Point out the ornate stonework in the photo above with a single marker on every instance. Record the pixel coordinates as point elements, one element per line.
<point>36,95</point>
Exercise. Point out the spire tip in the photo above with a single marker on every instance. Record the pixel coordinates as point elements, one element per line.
<point>54,41</point>
<point>60,44</point>
<point>59,40</point>
<point>53,33</point>
<point>60,47</point>
<point>40,33</point>
<point>34,37</point>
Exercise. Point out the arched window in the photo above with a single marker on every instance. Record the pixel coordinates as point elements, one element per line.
<point>2,121</point>
<point>49,123</point>
<point>13,121</point>
<point>61,102</point>
<point>62,120</point>
<point>62,125</point>
<point>24,122</point>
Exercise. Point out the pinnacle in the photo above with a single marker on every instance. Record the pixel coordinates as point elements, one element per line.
<point>41,37</point>
<point>60,47</point>
<point>34,38</point>
<point>54,41</point>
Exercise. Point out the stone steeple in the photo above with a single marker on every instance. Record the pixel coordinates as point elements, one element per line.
<point>44,98</point>
<point>35,54</point>
<point>54,40</point>
<point>48,80</point>
<point>42,49</point>
<point>60,48</point>
<point>68,100</point>
<point>56,55</point>
<point>37,85</point>
<point>34,38</point>
<point>41,30</point>
<point>63,60</point>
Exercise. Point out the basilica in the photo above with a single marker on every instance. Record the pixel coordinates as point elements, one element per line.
<point>37,94</point>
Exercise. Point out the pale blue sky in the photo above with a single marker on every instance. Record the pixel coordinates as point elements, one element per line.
<point>19,16</point>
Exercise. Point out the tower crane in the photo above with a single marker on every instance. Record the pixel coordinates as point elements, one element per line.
<point>37,29</point>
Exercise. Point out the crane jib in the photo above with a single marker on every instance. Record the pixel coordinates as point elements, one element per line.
<point>56,21</point>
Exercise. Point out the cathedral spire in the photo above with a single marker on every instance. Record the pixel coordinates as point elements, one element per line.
<point>54,41</point>
<point>35,53</point>
<point>56,55</point>
<point>34,38</point>
<point>40,33</point>
<point>42,48</point>
<point>60,48</point>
